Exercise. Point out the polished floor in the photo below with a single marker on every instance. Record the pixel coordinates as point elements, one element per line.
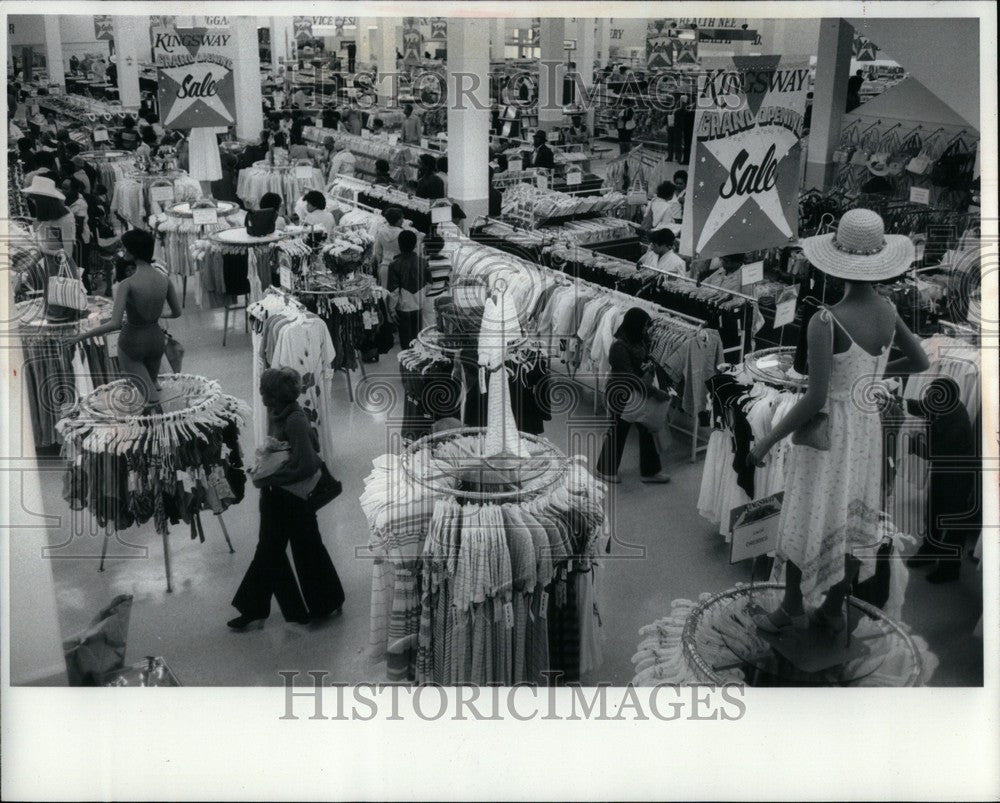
<point>663,551</point>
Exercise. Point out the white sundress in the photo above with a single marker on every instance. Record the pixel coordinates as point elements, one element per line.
<point>832,498</point>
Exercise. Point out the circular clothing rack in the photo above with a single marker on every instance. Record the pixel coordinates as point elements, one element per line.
<point>183,395</point>
<point>453,463</point>
<point>775,366</point>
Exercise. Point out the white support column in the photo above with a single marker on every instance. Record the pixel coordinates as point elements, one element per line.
<point>246,78</point>
<point>469,114</point>
<point>586,44</point>
<point>364,42</point>
<point>385,59</point>
<point>551,71</point>
<point>53,51</point>
<point>603,40</point>
<point>833,67</point>
<point>498,39</point>
<point>281,34</point>
<point>131,41</point>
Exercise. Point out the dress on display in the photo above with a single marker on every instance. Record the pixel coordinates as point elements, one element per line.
<point>833,498</point>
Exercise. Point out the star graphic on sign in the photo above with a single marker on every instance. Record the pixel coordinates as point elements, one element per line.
<point>724,152</point>
<point>174,76</point>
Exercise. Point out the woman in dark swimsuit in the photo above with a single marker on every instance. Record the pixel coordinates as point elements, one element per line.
<point>139,301</point>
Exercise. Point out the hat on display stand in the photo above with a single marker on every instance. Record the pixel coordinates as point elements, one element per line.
<point>43,186</point>
<point>860,250</point>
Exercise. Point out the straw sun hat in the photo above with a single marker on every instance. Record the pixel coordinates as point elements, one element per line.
<point>860,250</point>
<point>43,186</point>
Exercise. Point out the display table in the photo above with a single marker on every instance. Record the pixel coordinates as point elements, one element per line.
<point>714,641</point>
<point>138,195</point>
<point>291,182</point>
<point>54,376</point>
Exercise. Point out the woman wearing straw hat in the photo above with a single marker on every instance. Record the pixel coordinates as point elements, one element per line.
<point>54,226</point>
<point>832,497</point>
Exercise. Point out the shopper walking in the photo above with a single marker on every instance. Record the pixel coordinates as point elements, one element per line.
<point>832,501</point>
<point>139,302</point>
<point>286,517</point>
<point>406,281</point>
<point>630,371</point>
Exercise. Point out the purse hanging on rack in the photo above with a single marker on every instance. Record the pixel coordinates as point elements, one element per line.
<point>954,167</point>
<point>848,144</point>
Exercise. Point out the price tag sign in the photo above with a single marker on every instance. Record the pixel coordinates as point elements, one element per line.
<point>515,165</point>
<point>755,527</point>
<point>542,182</point>
<point>303,171</point>
<point>441,214</point>
<point>285,277</point>
<point>161,194</point>
<point>204,217</point>
<point>424,143</point>
<point>784,311</point>
<point>752,273</point>
<point>920,195</point>
<point>574,179</point>
<point>101,135</point>
<point>394,139</point>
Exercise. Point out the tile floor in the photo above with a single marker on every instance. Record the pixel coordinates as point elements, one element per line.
<point>665,551</point>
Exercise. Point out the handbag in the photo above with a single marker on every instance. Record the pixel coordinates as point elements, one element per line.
<point>65,290</point>
<point>642,408</point>
<point>326,489</point>
<point>261,222</point>
<point>173,351</point>
<point>815,433</point>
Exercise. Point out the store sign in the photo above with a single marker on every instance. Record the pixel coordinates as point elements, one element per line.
<point>302,28</point>
<point>659,46</point>
<point>686,48</point>
<point>331,22</point>
<point>195,76</point>
<point>211,22</point>
<point>755,527</point>
<point>104,27</point>
<point>744,169</point>
<point>726,36</point>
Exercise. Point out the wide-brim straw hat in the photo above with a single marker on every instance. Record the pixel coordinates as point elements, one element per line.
<point>860,250</point>
<point>43,186</point>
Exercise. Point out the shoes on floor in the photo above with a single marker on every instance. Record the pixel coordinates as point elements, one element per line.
<point>658,478</point>
<point>947,571</point>
<point>614,479</point>
<point>243,623</point>
<point>780,620</point>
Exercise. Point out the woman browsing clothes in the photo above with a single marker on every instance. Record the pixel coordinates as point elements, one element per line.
<point>287,516</point>
<point>139,301</point>
<point>832,501</point>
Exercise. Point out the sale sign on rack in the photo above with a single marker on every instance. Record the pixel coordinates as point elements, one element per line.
<point>195,74</point>
<point>743,178</point>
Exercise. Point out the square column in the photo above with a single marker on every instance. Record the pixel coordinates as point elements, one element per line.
<point>281,36</point>
<point>131,40</point>
<point>469,114</point>
<point>551,72</point>
<point>586,45</point>
<point>53,51</point>
<point>246,78</point>
<point>833,68</point>
<point>603,41</point>
<point>498,39</point>
<point>364,38</point>
<point>385,59</point>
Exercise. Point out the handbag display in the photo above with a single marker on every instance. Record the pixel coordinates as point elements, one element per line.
<point>815,433</point>
<point>65,290</point>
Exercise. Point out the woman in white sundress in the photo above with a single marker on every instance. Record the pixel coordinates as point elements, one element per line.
<point>832,496</point>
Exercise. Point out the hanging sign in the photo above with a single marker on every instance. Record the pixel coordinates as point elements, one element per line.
<point>743,181</point>
<point>440,214</point>
<point>285,277</point>
<point>784,311</point>
<point>686,47</point>
<point>864,49</point>
<point>161,194</point>
<point>302,28</point>
<point>752,273</point>
<point>412,41</point>
<point>574,179</point>
<point>515,165</point>
<point>104,28</point>
<point>195,77</point>
<point>920,195</point>
<point>755,527</point>
<point>659,45</point>
<point>439,28</point>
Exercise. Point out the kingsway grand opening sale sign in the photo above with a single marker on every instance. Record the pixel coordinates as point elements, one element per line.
<point>195,74</point>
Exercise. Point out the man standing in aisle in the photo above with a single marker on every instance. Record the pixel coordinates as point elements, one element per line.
<point>413,129</point>
<point>352,52</point>
<point>661,256</point>
<point>683,131</point>
<point>854,84</point>
<point>542,157</point>
<point>726,272</point>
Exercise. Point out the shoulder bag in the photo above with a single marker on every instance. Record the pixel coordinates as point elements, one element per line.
<point>65,289</point>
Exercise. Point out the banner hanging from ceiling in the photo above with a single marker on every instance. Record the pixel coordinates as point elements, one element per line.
<point>412,42</point>
<point>746,151</point>
<point>302,28</point>
<point>659,46</point>
<point>104,28</point>
<point>195,74</point>
<point>439,27</point>
<point>864,49</point>
<point>686,47</point>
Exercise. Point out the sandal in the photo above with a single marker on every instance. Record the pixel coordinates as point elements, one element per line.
<point>767,623</point>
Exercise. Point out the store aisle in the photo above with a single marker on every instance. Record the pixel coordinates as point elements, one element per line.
<point>649,565</point>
